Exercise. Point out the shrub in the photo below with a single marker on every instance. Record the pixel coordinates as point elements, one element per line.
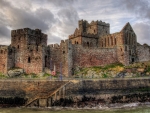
<point>33,75</point>
<point>46,75</point>
<point>148,69</point>
<point>2,75</point>
<point>104,75</point>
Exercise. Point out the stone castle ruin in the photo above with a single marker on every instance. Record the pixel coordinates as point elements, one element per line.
<point>90,45</point>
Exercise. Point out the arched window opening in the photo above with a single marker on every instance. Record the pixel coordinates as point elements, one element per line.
<point>126,48</point>
<point>129,39</point>
<point>88,44</point>
<point>45,61</point>
<point>126,40</point>
<point>121,49</point>
<point>105,42</point>
<point>108,41</point>
<point>94,30</point>
<point>77,42</point>
<point>102,43</point>
<point>36,48</point>
<point>29,60</point>
<point>115,41</point>
<point>111,40</point>
<point>126,34</point>
<point>1,51</point>
<point>133,60</point>
<point>18,46</point>
<point>63,52</point>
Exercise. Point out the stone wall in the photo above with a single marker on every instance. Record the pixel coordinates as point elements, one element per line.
<point>3,58</point>
<point>40,90</point>
<point>106,89</point>
<point>86,57</point>
<point>143,52</point>
<point>28,88</point>
<point>61,57</point>
<point>7,58</point>
<point>10,58</point>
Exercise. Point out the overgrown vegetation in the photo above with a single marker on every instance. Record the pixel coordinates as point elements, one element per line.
<point>114,65</point>
<point>104,75</point>
<point>141,69</point>
<point>98,69</point>
<point>46,75</point>
<point>2,76</point>
<point>148,68</point>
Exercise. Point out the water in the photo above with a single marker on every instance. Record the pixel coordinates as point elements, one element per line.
<point>115,108</point>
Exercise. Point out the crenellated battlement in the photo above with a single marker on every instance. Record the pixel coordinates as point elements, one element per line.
<point>63,45</point>
<point>99,23</point>
<point>87,24</point>
<point>26,31</point>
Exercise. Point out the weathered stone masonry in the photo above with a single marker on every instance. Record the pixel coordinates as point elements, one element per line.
<point>90,45</point>
<point>44,93</point>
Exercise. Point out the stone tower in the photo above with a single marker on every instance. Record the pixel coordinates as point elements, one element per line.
<point>30,53</point>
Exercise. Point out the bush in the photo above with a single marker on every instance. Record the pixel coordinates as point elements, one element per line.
<point>2,75</point>
<point>33,75</point>
<point>148,69</point>
<point>112,66</point>
<point>104,75</point>
<point>46,75</point>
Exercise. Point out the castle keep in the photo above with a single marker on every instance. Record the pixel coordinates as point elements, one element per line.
<point>90,45</point>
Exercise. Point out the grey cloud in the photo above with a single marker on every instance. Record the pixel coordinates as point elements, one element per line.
<point>4,32</point>
<point>19,18</point>
<point>68,19</point>
<point>26,5</point>
<point>65,25</point>
<point>141,9</point>
<point>53,39</point>
<point>142,31</point>
<point>45,15</point>
<point>61,3</point>
<point>138,7</point>
<point>68,15</point>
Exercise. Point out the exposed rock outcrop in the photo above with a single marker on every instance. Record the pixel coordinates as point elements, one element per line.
<point>15,72</point>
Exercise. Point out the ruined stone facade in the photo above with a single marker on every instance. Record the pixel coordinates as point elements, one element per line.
<point>90,45</point>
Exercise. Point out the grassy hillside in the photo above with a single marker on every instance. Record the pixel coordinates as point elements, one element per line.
<point>116,70</point>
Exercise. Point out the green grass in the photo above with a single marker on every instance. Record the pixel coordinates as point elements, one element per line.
<point>144,89</point>
<point>148,69</point>
<point>112,66</point>
<point>104,75</point>
<point>46,75</point>
<point>3,76</point>
<point>97,69</point>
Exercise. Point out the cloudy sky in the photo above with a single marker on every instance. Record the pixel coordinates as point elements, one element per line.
<point>59,18</point>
